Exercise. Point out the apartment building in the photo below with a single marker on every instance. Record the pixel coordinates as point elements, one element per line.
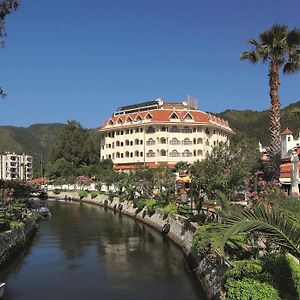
<point>15,167</point>
<point>156,132</point>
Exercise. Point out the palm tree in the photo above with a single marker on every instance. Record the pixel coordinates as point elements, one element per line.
<point>277,223</point>
<point>279,47</point>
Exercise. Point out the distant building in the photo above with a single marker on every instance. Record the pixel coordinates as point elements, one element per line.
<point>15,167</point>
<point>159,132</point>
<point>288,143</point>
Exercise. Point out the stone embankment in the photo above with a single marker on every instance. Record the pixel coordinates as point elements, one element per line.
<point>13,241</point>
<point>180,230</point>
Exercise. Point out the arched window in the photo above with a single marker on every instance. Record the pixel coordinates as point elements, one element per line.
<point>174,153</point>
<point>141,154</point>
<point>131,154</point>
<point>150,153</point>
<point>150,142</point>
<point>174,141</point>
<point>141,142</point>
<point>118,154</point>
<point>117,143</point>
<point>131,143</point>
<point>163,152</point>
<point>126,154</point>
<point>199,152</point>
<point>136,141</point>
<point>127,142</point>
<point>200,141</point>
<point>122,144</point>
<point>163,140</point>
<point>187,153</point>
<point>136,153</point>
<point>187,141</point>
<point>122,155</point>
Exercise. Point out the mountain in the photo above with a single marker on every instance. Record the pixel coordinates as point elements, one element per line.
<point>254,125</point>
<point>35,140</point>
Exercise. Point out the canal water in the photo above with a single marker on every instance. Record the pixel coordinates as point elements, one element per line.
<point>88,252</point>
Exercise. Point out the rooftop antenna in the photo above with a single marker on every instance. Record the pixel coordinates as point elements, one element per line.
<point>192,102</point>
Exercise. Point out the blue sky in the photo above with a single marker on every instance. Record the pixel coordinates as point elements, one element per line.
<point>82,59</point>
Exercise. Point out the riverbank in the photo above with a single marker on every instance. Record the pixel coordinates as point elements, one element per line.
<point>179,230</point>
<point>13,241</point>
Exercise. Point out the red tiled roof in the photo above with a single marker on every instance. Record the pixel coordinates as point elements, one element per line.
<point>163,115</point>
<point>286,132</point>
<point>286,170</point>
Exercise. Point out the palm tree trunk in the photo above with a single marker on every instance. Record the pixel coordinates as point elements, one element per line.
<point>275,127</point>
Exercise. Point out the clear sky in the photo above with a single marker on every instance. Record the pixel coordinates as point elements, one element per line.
<point>81,59</point>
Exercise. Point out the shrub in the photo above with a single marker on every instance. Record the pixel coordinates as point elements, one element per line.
<point>15,224</point>
<point>94,194</point>
<point>205,238</point>
<point>151,205</point>
<point>250,289</point>
<point>57,191</point>
<point>82,194</point>
<point>170,209</point>
<point>140,203</point>
<point>286,274</point>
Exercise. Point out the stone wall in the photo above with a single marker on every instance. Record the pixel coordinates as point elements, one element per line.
<point>12,241</point>
<point>181,232</point>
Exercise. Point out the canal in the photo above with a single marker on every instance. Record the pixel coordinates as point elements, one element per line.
<point>88,252</point>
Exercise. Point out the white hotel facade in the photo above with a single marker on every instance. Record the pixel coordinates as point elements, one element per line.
<point>158,132</point>
<point>16,167</point>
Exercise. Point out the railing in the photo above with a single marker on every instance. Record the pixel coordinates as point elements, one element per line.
<point>150,143</point>
<point>187,154</point>
<point>150,154</point>
<point>175,154</point>
<point>187,143</point>
<point>186,130</point>
<point>174,142</point>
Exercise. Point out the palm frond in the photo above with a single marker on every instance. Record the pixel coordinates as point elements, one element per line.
<point>251,56</point>
<point>274,224</point>
<point>293,38</point>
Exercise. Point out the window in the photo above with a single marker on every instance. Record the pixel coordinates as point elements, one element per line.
<point>187,153</point>
<point>174,153</point>
<point>199,141</point>
<point>163,129</point>
<point>163,152</point>
<point>174,116</point>
<point>150,129</point>
<point>188,117</point>
<point>163,140</point>
<point>127,154</point>
<point>148,116</point>
<point>136,153</point>
<point>127,143</point>
<point>187,141</point>
<point>118,154</point>
<point>150,153</point>
<point>174,141</point>
<point>136,141</point>
<point>174,129</point>
<point>117,143</point>
<point>150,142</point>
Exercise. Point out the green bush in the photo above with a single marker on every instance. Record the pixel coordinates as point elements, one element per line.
<point>82,194</point>
<point>151,205</point>
<point>170,209</point>
<point>15,224</point>
<point>250,289</point>
<point>140,203</point>
<point>57,191</point>
<point>286,274</point>
<point>94,194</point>
<point>205,238</point>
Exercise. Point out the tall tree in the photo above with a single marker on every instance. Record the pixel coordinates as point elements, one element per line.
<point>6,7</point>
<point>279,47</point>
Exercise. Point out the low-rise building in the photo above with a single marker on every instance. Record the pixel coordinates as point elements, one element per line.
<point>159,132</point>
<point>288,143</point>
<point>15,167</point>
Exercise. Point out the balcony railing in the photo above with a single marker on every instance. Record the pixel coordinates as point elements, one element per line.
<point>174,142</point>
<point>187,154</point>
<point>150,154</point>
<point>187,143</point>
<point>172,154</point>
<point>150,143</point>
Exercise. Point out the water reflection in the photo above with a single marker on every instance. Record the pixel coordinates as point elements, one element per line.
<point>87,252</point>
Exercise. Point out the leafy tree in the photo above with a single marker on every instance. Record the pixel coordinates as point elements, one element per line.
<point>181,166</point>
<point>61,169</point>
<point>226,169</point>
<point>70,144</point>
<point>6,7</point>
<point>279,47</point>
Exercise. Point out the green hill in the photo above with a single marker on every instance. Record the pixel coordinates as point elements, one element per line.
<point>254,125</point>
<point>35,140</point>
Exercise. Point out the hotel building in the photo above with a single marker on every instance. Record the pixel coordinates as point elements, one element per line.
<point>156,132</point>
<point>15,167</point>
